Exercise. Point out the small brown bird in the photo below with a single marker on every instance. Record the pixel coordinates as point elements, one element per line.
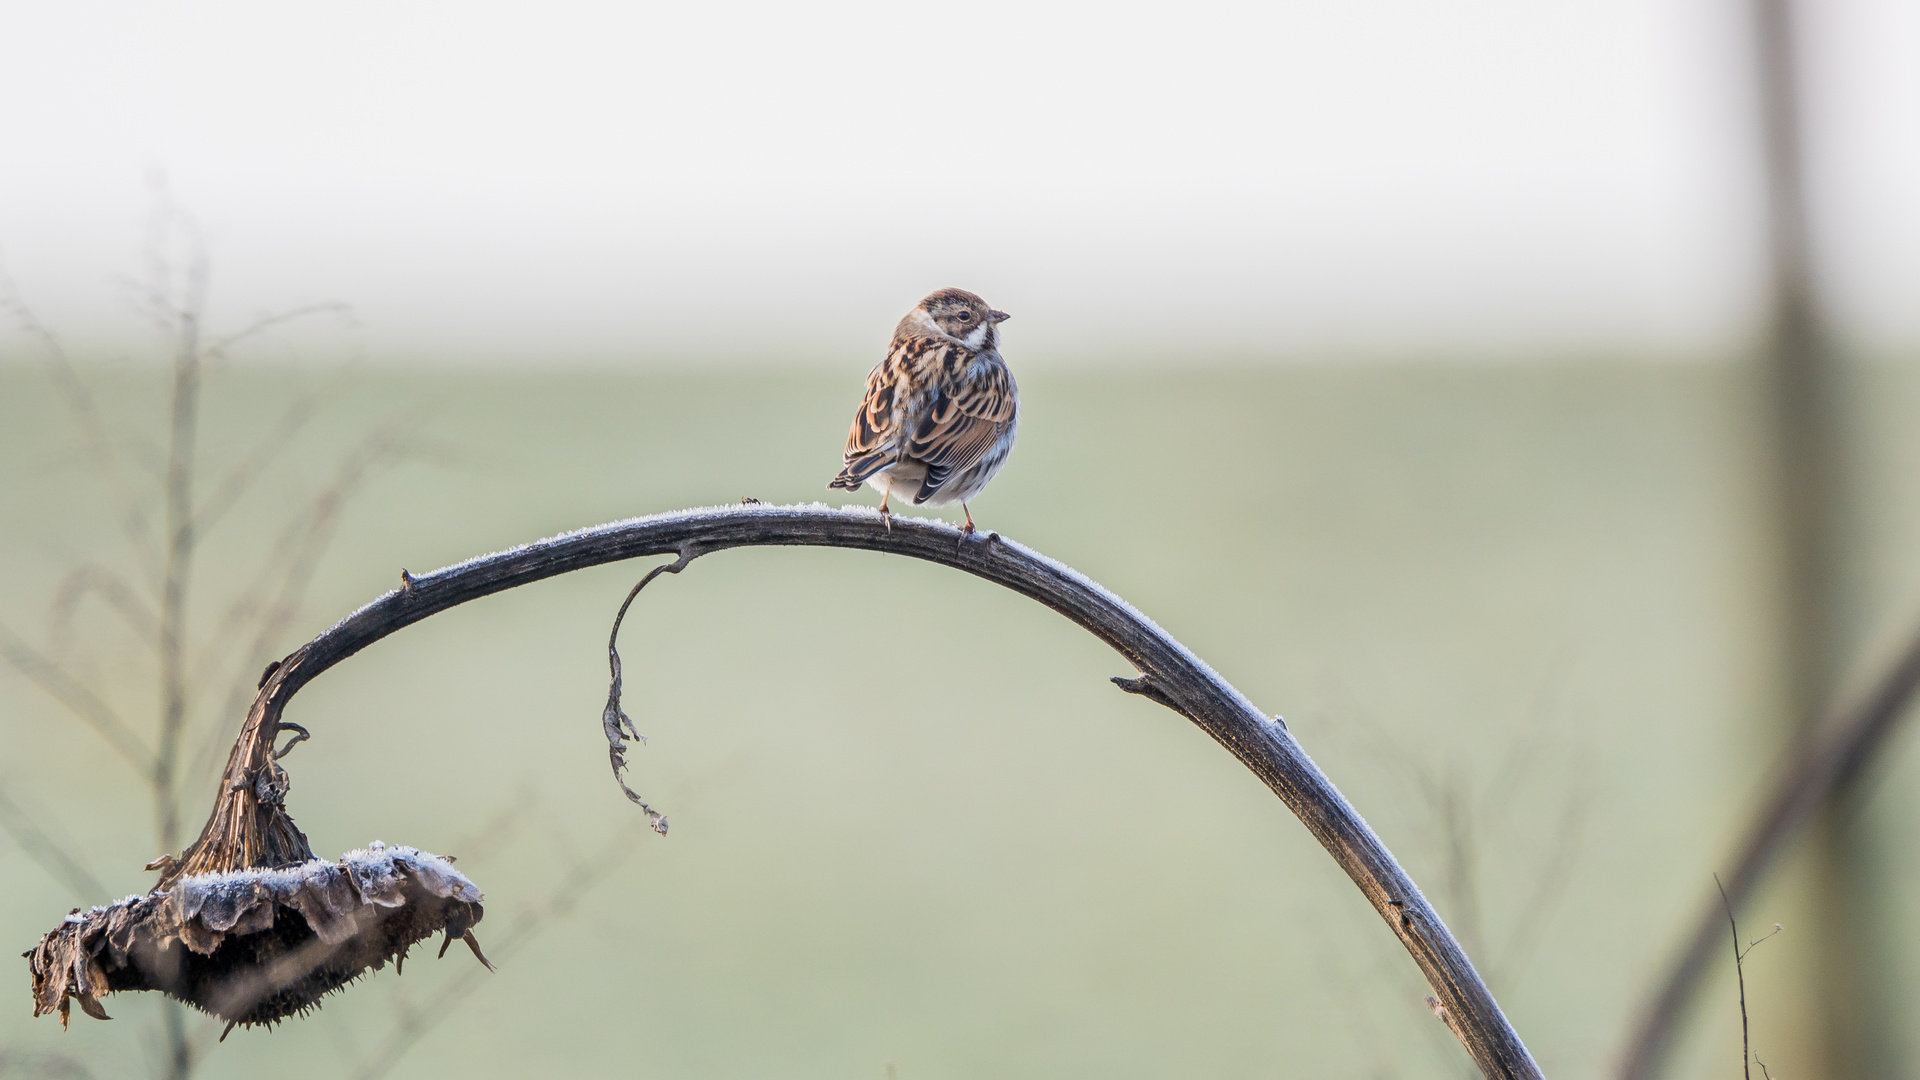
<point>939,415</point>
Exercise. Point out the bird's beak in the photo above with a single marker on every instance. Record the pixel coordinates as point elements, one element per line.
<point>998,316</point>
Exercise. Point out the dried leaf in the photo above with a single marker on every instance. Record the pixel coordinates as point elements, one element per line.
<point>614,721</point>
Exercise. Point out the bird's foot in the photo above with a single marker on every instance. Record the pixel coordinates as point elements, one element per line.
<point>969,526</point>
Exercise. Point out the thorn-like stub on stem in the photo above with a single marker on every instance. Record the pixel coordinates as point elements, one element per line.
<point>1400,908</point>
<point>1147,687</point>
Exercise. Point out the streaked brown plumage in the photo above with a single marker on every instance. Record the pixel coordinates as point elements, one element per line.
<point>940,411</point>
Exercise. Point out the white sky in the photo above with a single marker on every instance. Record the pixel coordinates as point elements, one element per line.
<point>752,182</point>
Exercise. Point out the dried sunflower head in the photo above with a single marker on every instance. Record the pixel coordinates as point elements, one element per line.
<point>258,945</point>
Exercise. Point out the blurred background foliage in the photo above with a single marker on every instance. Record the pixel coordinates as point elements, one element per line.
<point>1521,614</point>
<point>1405,361</point>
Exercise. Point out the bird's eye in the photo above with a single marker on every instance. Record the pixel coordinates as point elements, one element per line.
<point>965,316</point>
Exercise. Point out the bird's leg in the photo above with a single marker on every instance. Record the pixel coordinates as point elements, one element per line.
<point>969,529</point>
<point>885,514</point>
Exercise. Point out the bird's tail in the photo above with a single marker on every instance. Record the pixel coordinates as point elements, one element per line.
<point>858,470</point>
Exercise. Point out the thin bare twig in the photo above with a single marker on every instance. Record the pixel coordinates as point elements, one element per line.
<point>94,580</point>
<point>581,876</point>
<point>264,610</point>
<point>485,839</point>
<point>1565,848</point>
<point>1462,812</point>
<point>41,1066</point>
<point>50,855</point>
<point>181,540</point>
<point>252,464</point>
<point>219,346</point>
<point>1452,805</point>
<point>181,317</point>
<point>172,294</point>
<point>93,426</point>
<point>1825,761</point>
<point>1740,973</point>
<point>78,700</point>
<point>287,564</point>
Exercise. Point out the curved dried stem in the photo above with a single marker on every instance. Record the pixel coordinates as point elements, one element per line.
<point>247,808</point>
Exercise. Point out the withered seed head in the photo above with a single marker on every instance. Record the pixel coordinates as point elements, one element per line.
<point>256,946</point>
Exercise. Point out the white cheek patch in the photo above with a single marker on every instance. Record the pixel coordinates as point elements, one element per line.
<point>977,337</point>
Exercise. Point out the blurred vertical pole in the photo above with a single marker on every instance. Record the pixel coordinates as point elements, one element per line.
<point>1797,371</point>
<point>1806,428</point>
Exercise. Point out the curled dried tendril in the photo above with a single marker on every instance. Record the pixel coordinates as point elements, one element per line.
<point>614,720</point>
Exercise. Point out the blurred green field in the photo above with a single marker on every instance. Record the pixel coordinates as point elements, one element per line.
<point>1520,614</point>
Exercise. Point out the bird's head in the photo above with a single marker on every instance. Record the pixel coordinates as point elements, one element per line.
<point>960,314</point>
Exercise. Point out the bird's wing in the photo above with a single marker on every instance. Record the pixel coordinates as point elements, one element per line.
<point>872,441</point>
<point>966,419</point>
